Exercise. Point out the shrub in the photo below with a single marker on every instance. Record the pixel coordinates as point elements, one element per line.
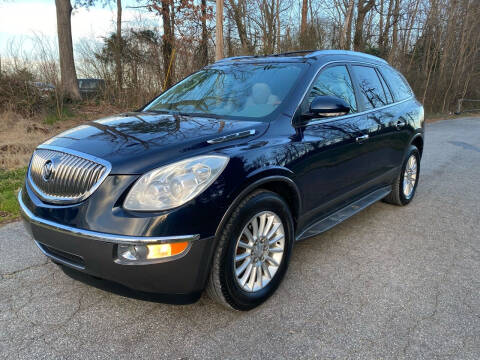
<point>18,94</point>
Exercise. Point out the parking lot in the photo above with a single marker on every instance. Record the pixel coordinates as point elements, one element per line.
<point>389,283</point>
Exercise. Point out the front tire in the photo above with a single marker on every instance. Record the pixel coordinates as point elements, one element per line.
<point>253,252</point>
<point>405,184</point>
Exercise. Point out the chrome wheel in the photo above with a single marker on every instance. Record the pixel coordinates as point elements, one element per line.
<point>410,176</point>
<point>259,251</point>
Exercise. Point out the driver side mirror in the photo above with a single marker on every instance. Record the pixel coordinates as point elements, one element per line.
<point>328,106</point>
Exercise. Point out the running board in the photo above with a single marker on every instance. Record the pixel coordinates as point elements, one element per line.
<point>344,213</point>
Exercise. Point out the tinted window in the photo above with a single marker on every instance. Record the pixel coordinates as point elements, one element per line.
<point>398,84</point>
<point>334,81</point>
<point>371,89</point>
<point>387,91</point>
<point>231,91</point>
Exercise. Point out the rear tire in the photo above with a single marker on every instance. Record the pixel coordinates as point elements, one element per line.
<point>405,184</point>
<point>242,244</point>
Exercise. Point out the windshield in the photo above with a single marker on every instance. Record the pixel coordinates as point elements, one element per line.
<point>240,90</point>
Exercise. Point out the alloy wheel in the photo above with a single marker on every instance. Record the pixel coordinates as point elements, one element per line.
<point>259,251</point>
<point>410,176</point>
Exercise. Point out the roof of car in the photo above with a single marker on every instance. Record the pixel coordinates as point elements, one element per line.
<point>304,55</point>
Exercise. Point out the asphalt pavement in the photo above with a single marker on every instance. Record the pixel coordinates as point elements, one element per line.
<point>389,283</point>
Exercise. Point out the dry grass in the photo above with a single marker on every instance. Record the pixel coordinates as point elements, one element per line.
<point>19,135</point>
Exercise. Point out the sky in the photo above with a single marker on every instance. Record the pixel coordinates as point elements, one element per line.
<point>20,20</point>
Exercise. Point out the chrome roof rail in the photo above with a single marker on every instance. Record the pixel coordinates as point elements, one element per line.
<point>235,58</point>
<point>345,52</point>
<point>308,54</point>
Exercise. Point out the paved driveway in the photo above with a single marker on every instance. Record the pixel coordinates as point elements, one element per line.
<point>388,283</point>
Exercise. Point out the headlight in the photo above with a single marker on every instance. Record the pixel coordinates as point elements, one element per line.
<point>175,184</point>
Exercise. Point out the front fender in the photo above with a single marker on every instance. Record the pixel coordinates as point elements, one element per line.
<point>262,178</point>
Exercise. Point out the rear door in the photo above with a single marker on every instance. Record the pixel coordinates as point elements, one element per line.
<point>401,116</point>
<point>374,96</point>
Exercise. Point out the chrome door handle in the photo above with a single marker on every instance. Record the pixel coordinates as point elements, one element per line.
<point>400,124</point>
<point>362,138</point>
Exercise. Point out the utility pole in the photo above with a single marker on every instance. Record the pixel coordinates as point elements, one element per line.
<point>219,31</point>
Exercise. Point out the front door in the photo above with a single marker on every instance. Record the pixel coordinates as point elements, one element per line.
<point>336,160</point>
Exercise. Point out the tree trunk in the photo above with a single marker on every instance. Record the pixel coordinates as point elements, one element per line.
<point>219,31</point>
<point>69,83</point>
<point>410,26</point>
<point>380,26</point>
<point>363,8</point>
<point>204,43</point>
<point>118,50</point>
<point>303,25</point>
<point>229,38</point>
<point>347,28</point>
<point>384,33</point>
<point>168,43</point>
<point>278,26</point>
<point>396,19</point>
<point>237,12</point>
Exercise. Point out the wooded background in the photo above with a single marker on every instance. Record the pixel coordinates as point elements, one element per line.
<point>434,43</point>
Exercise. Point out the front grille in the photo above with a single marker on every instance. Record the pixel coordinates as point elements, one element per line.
<point>61,177</point>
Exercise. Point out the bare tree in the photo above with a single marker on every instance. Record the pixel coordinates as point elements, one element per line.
<point>219,31</point>
<point>303,24</point>
<point>204,40</point>
<point>166,8</point>
<point>237,9</point>
<point>118,49</point>
<point>363,7</point>
<point>69,83</point>
<point>347,27</point>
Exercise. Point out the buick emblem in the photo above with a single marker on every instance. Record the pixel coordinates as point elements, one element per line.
<point>47,170</point>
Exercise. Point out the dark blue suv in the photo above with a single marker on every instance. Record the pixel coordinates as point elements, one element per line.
<point>211,183</point>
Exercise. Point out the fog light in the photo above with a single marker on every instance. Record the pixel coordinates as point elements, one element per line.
<point>158,251</point>
<point>133,252</point>
<point>142,253</point>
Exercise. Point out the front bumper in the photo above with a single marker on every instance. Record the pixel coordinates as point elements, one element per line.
<point>95,252</point>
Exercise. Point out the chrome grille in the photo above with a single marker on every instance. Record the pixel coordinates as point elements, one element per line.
<point>65,177</point>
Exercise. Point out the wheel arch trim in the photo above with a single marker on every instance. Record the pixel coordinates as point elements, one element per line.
<point>257,184</point>
<point>416,137</point>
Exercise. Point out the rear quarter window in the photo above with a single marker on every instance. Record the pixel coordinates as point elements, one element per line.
<point>399,86</point>
<point>370,86</point>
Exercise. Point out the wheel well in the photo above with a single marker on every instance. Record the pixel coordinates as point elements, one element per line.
<point>418,142</point>
<point>287,192</point>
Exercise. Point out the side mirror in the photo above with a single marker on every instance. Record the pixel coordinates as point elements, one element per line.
<point>328,106</point>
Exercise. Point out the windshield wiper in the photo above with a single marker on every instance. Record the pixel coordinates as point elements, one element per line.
<point>186,114</point>
<point>158,111</point>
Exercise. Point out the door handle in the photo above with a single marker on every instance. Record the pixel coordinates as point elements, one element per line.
<point>400,124</point>
<point>362,138</point>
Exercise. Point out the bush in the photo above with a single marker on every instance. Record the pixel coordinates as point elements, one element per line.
<point>18,94</point>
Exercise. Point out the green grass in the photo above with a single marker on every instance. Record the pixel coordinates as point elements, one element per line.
<point>54,115</point>
<point>10,182</point>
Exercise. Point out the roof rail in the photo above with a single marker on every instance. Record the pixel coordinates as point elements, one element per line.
<point>309,54</point>
<point>345,52</point>
<point>235,58</point>
<point>298,52</point>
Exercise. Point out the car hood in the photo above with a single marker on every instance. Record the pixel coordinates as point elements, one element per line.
<point>137,142</point>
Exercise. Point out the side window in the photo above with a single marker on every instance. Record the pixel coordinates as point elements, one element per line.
<point>385,87</point>
<point>400,88</point>
<point>371,89</point>
<point>334,81</point>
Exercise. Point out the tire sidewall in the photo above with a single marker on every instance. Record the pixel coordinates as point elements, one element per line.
<point>263,201</point>
<point>411,151</point>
